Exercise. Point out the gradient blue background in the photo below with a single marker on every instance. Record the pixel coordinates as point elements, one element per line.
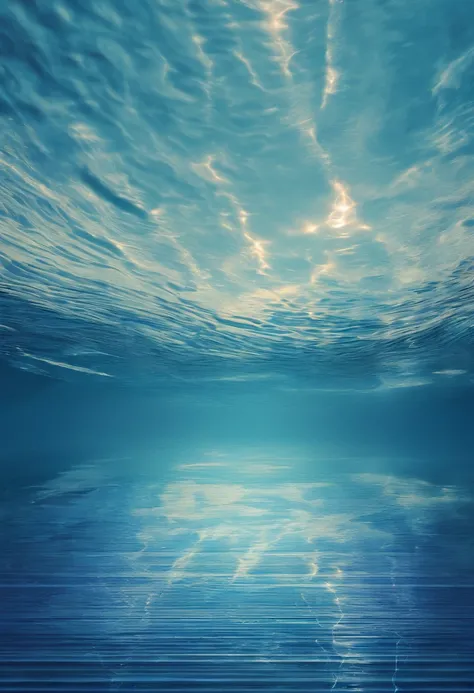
<point>236,345</point>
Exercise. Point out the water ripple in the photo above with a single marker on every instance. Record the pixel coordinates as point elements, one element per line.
<point>239,186</point>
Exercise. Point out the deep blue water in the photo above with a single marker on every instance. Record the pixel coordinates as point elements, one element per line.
<point>236,345</point>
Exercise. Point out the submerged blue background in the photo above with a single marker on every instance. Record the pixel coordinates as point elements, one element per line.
<point>236,345</point>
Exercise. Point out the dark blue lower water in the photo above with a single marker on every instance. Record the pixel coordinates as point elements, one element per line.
<point>241,569</point>
<point>215,540</point>
<point>236,346</point>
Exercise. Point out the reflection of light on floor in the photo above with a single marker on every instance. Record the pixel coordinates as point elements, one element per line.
<point>395,671</point>
<point>261,568</point>
<point>246,542</point>
<point>250,527</point>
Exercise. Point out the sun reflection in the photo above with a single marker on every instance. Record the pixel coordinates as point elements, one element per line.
<point>322,270</point>
<point>257,248</point>
<point>253,75</point>
<point>342,220</point>
<point>331,81</point>
<point>275,12</point>
<point>310,228</point>
<point>206,170</point>
<point>343,211</point>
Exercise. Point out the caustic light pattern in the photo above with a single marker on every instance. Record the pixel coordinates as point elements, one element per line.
<point>229,187</point>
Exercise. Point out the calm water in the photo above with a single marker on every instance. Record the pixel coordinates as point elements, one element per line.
<point>243,570</point>
<point>236,345</point>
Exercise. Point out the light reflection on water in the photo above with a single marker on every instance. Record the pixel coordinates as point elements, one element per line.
<point>228,574</point>
<point>224,188</point>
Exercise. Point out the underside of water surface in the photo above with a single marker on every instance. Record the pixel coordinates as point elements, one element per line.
<point>236,346</point>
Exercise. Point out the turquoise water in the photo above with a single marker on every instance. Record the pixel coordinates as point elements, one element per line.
<point>236,346</point>
<point>238,189</point>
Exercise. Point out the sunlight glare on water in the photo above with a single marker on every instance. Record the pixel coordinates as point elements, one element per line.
<point>207,189</point>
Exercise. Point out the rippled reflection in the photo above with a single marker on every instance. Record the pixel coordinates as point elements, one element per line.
<point>228,573</point>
